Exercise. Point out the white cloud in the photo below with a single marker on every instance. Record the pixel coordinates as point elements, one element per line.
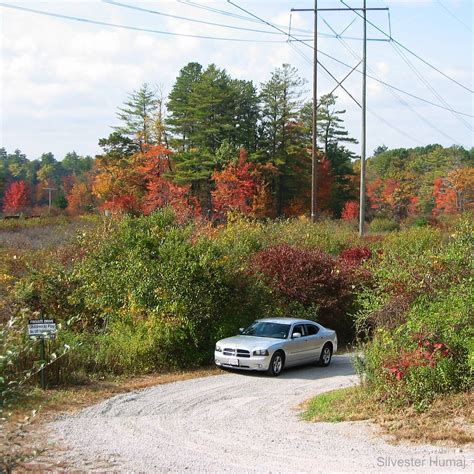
<point>68,77</point>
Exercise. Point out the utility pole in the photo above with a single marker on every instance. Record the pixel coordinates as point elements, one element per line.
<point>363,106</point>
<point>50,190</point>
<point>364,124</point>
<point>314,150</point>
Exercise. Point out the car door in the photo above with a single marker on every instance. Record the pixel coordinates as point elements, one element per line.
<point>315,340</point>
<point>297,348</point>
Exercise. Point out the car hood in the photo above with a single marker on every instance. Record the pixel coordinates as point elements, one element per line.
<point>248,342</point>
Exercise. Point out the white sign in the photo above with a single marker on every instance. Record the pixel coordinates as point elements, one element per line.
<point>42,328</point>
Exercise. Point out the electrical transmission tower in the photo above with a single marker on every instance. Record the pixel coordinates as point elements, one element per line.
<point>314,155</point>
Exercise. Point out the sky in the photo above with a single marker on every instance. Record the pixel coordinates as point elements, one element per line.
<point>62,80</point>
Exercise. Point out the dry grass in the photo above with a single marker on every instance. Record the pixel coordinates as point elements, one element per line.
<point>447,422</point>
<point>21,436</point>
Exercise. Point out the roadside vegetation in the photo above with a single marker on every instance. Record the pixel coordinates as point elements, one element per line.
<point>145,295</point>
<point>415,325</point>
<point>189,226</point>
<point>447,420</point>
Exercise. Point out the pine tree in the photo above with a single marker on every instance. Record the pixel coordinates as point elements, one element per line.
<point>282,141</point>
<point>139,116</point>
<point>330,130</point>
<point>181,119</point>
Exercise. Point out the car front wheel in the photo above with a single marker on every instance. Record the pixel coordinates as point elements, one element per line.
<point>326,355</point>
<point>276,364</point>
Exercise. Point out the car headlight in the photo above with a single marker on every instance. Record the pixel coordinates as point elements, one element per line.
<point>260,352</point>
<point>218,348</point>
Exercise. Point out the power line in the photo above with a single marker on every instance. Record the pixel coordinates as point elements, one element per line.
<point>292,36</point>
<point>434,104</point>
<point>375,114</point>
<point>453,15</point>
<point>410,51</point>
<point>254,20</point>
<point>398,98</point>
<point>177,17</point>
<point>232,14</point>
<point>134,28</point>
<point>427,84</point>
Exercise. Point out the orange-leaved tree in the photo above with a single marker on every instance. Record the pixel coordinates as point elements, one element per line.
<point>160,190</point>
<point>236,187</point>
<point>79,198</point>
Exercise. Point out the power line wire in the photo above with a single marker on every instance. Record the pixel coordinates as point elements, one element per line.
<point>134,28</point>
<point>292,36</point>
<point>453,15</point>
<point>409,50</point>
<point>331,57</point>
<point>343,63</point>
<point>231,14</point>
<point>397,96</point>
<point>390,125</point>
<point>254,20</point>
<point>427,84</point>
<point>177,17</point>
<point>434,104</point>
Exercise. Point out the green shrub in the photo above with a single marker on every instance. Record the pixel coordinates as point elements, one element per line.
<point>420,310</point>
<point>383,224</point>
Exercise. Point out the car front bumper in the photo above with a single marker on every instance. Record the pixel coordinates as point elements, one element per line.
<point>244,363</point>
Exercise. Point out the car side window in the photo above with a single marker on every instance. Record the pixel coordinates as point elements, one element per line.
<point>299,328</point>
<point>311,329</point>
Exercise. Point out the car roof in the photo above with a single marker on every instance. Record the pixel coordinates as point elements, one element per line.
<point>286,320</point>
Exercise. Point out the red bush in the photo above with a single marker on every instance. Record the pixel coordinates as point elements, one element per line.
<point>126,204</point>
<point>308,277</point>
<point>427,353</point>
<point>355,255</point>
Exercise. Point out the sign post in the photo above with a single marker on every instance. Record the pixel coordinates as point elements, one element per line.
<point>42,329</point>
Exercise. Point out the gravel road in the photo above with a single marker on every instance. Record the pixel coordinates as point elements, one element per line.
<point>239,422</point>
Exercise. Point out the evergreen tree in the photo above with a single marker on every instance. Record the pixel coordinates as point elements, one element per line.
<point>330,129</point>
<point>73,164</point>
<point>247,114</point>
<point>139,116</point>
<point>282,139</point>
<point>182,120</point>
<point>212,103</point>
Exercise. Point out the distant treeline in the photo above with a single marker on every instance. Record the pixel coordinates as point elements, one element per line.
<point>218,144</point>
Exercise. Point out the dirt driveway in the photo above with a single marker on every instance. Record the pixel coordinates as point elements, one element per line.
<point>238,422</point>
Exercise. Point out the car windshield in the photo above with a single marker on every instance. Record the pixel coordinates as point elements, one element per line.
<point>266,329</point>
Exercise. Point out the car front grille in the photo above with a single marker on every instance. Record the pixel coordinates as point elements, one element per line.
<point>236,352</point>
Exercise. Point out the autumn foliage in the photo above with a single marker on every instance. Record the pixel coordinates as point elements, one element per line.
<point>236,187</point>
<point>16,197</point>
<point>350,211</point>
<point>308,277</point>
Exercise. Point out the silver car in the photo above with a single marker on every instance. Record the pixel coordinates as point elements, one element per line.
<point>274,343</point>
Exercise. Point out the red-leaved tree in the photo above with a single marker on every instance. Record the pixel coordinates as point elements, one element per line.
<point>350,211</point>
<point>235,187</point>
<point>444,197</point>
<point>162,192</point>
<point>16,198</point>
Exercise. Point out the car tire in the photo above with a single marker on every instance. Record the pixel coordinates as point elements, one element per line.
<point>276,364</point>
<point>326,355</point>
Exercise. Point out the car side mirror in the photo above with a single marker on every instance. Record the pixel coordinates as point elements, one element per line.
<point>296,335</point>
<point>241,330</point>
